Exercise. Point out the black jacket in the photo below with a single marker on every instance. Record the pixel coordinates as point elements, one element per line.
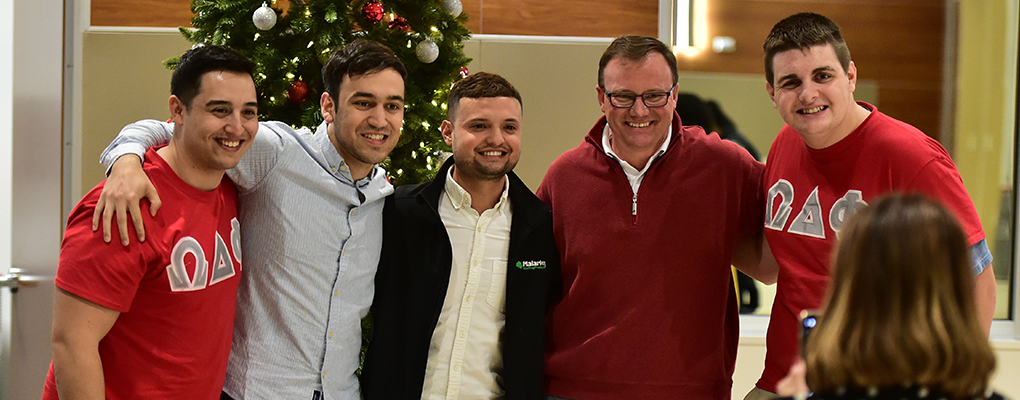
<point>411,284</point>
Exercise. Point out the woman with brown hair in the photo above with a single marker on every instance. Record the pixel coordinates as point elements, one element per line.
<point>900,320</point>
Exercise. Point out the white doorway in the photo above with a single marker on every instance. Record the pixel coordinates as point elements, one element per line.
<point>31,160</point>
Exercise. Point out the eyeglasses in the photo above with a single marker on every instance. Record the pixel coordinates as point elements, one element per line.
<point>651,99</point>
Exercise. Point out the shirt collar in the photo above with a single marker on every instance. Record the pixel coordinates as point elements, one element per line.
<point>607,133</point>
<point>462,199</point>
<point>336,161</point>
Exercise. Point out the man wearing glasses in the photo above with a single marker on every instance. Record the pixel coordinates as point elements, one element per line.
<point>648,216</point>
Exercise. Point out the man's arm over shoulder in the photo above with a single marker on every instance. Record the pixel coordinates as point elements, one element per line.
<point>272,140</point>
<point>136,139</point>
<point>127,184</point>
<point>78,327</point>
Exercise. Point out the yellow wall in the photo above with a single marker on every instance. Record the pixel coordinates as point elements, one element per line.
<point>985,98</point>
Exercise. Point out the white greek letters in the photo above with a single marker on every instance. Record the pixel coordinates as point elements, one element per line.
<point>810,219</point>
<point>222,264</point>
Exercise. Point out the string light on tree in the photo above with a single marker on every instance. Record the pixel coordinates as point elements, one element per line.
<point>264,17</point>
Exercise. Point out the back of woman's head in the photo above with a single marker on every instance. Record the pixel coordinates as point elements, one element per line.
<point>900,305</point>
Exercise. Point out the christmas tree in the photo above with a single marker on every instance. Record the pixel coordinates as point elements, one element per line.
<point>290,40</point>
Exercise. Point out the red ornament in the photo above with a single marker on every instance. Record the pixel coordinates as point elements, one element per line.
<point>372,11</point>
<point>297,92</point>
<point>399,23</point>
<point>464,72</point>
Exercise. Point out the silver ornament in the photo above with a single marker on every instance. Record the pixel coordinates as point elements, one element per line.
<point>453,7</point>
<point>427,51</point>
<point>264,18</point>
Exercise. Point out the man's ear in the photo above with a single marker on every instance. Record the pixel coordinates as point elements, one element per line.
<point>851,74</point>
<point>177,109</point>
<point>447,131</point>
<point>603,99</point>
<point>772,94</point>
<point>327,107</point>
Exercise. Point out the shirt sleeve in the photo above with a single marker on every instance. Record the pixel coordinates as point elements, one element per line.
<point>107,274</point>
<point>136,139</point>
<point>271,141</point>
<point>940,180</point>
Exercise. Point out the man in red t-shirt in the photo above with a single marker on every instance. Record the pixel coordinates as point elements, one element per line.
<point>154,320</point>
<point>833,156</point>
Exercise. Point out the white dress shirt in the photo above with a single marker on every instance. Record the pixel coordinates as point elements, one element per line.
<point>464,358</point>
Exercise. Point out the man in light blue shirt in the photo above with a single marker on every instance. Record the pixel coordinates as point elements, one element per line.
<point>311,212</point>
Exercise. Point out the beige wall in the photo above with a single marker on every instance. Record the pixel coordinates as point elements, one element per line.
<point>124,81</point>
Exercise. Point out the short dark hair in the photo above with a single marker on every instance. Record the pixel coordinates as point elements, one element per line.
<point>187,77</point>
<point>479,85</point>
<point>634,48</point>
<point>359,57</point>
<point>803,31</point>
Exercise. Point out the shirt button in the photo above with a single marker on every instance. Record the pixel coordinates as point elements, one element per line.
<point>462,334</point>
<point>336,293</point>
<point>479,229</point>
<point>470,299</point>
<point>343,167</point>
<point>331,335</point>
<point>456,368</point>
<point>344,253</point>
<point>323,374</point>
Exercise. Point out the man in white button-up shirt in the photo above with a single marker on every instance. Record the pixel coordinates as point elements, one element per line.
<point>469,265</point>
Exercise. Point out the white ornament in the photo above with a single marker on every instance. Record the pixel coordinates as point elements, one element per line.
<point>454,7</point>
<point>427,51</point>
<point>264,18</point>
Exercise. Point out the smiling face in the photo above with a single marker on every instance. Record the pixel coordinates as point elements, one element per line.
<point>365,118</point>
<point>814,95</point>
<point>638,131</point>
<point>485,135</point>
<point>217,128</point>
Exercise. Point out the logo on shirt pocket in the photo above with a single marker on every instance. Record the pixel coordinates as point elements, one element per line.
<point>530,265</point>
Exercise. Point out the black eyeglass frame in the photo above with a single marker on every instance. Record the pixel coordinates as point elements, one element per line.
<point>644,99</point>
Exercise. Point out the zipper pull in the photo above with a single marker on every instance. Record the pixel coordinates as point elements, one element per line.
<point>633,206</point>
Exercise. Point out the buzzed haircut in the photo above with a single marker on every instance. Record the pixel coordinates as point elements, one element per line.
<point>634,48</point>
<point>803,31</point>
<point>186,81</point>
<point>479,85</point>
<point>359,57</point>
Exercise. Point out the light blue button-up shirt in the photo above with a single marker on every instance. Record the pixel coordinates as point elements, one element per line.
<point>310,241</point>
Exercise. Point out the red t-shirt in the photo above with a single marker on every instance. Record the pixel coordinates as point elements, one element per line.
<point>175,292</point>
<point>811,192</point>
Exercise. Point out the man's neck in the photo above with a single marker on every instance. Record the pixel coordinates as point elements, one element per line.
<point>186,169</point>
<point>485,193</point>
<point>357,168</point>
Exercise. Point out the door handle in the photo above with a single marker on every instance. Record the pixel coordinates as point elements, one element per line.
<point>15,279</point>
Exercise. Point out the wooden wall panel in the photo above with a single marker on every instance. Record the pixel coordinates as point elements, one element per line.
<point>141,13</point>
<point>570,17</point>
<point>898,43</point>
